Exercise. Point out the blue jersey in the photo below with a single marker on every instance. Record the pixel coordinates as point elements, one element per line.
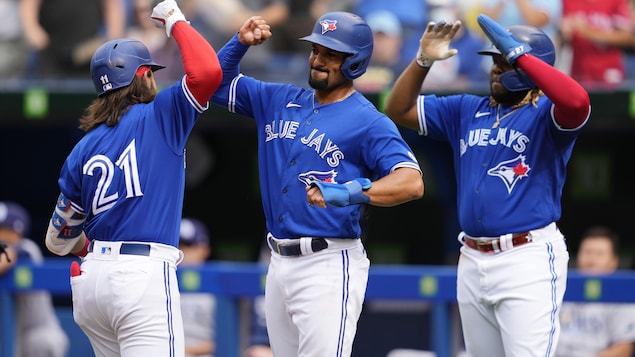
<point>130,178</point>
<point>509,176</point>
<point>301,141</point>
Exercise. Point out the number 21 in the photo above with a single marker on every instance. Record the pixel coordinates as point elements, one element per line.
<point>127,162</point>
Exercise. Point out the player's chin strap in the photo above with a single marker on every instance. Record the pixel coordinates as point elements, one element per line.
<point>349,193</point>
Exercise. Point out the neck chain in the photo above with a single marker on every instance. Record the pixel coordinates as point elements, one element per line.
<point>500,118</point>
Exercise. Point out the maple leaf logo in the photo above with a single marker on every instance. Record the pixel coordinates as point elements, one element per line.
<point>510,171</point>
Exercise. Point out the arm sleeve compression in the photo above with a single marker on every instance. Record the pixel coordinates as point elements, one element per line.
<point>202,69</point>
<point>571,101</point>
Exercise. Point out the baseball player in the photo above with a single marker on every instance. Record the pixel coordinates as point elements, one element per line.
<point>324,153</point>
<point>198,309</point>
<point>597,329</point>
<point>122,190</point>
<point>38,330</point>
<point>510,154</point>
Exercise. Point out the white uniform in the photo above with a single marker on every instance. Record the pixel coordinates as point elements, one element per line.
<point>588,328</point>
<point>199,311</point>
<point>38,331</point>
<point>514,292</point>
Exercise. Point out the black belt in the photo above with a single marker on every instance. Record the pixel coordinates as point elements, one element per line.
<point>127,248</point>
<point>291,247</point>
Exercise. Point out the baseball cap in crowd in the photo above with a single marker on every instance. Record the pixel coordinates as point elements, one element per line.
<point>384,21</point>
<point>193,232</point>
<point>15,217</point>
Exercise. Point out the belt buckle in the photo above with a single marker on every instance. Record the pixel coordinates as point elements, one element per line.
<point>275,245</point>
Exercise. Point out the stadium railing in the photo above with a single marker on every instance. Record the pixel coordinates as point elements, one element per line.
<point>232,281</point>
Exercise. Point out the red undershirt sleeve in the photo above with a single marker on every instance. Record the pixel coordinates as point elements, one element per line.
<point>571,101</point>
<point>202,69</point>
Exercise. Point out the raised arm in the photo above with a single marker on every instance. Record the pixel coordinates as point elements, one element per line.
<point>401,106</point>
<point>202,69</point>
<point>572,105</point>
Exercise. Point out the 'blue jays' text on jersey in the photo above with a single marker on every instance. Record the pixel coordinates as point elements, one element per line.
<point>509,177</point>
<point>130,178</point>
<point>300,142</point>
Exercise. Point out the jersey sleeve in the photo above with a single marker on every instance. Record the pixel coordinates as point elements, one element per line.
<point>387,150</point>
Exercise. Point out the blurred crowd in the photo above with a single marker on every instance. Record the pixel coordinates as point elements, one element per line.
<point>53,40</point>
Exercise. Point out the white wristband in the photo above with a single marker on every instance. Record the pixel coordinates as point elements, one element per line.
<point>423,61</point>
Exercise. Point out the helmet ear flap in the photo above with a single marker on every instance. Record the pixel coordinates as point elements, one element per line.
<point>517,80</point>
<point>115,64</point>
<point>541,47</point>
<point>353,66</point>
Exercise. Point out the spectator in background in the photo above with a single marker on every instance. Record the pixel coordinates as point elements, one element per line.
<point>143,29</point>
<point>65,33</point>
<point>467,69</point>
<point>386,61</point>
<point>597,33</point>
<point>165,52</point>
<point>597,329</point>
<point>13,49</point>
<point>225,16</point>
<point>38,330</point>
<point>258,336</point>
<point>412,14</point>
<point>199,309</point>
<point>543,14</point>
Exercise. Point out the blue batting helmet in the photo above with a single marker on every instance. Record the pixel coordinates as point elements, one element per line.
<point>347,33</point>
<point>115,63</point>
<point>193,232</point>
<point>15,217</point>
<point>541,47</point>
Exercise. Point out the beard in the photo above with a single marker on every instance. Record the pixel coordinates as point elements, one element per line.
<point>506,97</point>
<point>318,84</point>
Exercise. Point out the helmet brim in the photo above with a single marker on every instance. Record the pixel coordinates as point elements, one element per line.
<point>490,51</point>
<point>328,42</point>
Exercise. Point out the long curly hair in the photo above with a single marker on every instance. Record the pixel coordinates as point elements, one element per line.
<point>110,107</point>
<point>532,97</point>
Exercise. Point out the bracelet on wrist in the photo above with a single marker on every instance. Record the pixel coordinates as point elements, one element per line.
<point>423,61</point>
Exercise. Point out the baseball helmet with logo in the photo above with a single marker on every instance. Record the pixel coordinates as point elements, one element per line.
<point>541,47</point>
<point>115,63</point>
<point>347,33</point>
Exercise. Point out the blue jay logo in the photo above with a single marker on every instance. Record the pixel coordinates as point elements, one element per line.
<point>317,176</point>
<point>510,171</point>
<point>328,25</point>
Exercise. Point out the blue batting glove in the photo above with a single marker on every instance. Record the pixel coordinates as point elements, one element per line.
<point>502,39</point>
<point>349,193</point>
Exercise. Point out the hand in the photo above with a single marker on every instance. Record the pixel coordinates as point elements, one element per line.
<point>341,195</point>
<point>435,42</point>
<point>254,31</point>
<point>166,14</point>
<point>502,39</point>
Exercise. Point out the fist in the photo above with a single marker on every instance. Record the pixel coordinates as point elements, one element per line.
<point>254,31</point>
<point>165,14</point>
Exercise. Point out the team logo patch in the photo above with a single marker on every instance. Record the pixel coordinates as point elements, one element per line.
<point>328,25</point>
<point>314,176</point>
<point>510,171</point>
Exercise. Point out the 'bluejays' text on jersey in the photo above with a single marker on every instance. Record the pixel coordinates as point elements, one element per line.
<point>325,148</point>
<point>510,138</point>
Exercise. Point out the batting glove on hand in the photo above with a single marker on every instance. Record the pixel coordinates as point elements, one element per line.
<point>434,44</point>
<point>166,14</point>
<point>502,39</point>
<point>349,193</point>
